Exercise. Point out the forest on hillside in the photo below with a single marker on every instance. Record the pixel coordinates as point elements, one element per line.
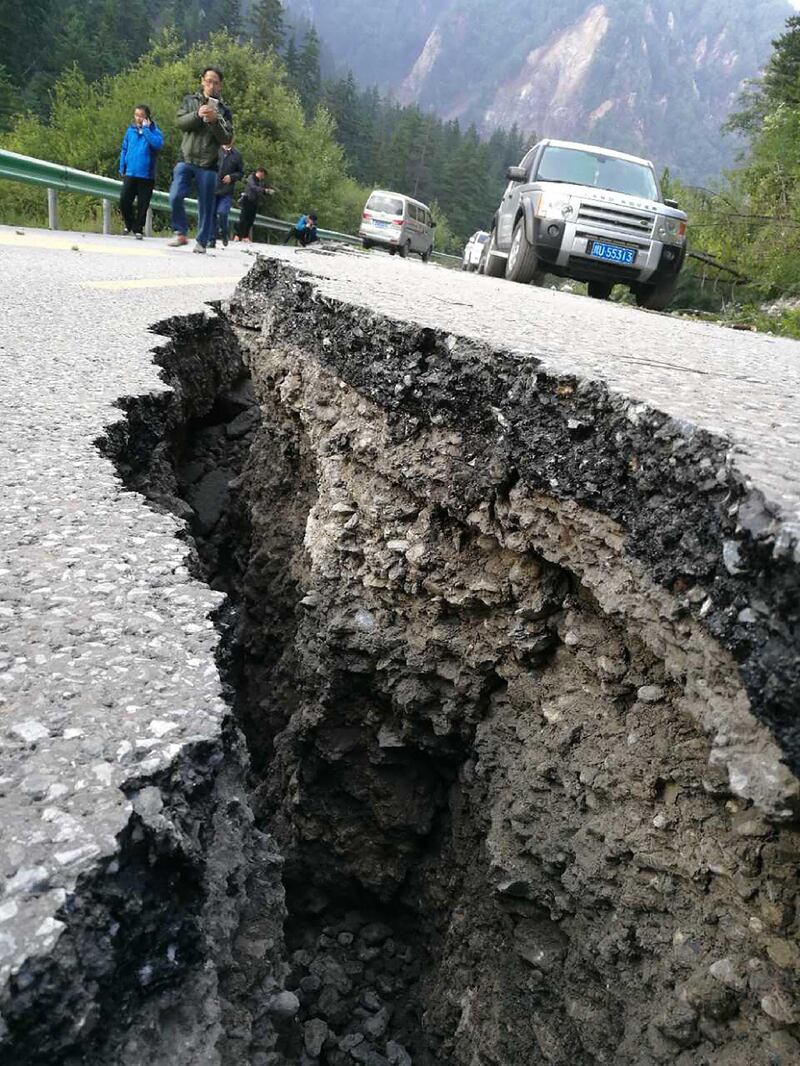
<point>70,73</point>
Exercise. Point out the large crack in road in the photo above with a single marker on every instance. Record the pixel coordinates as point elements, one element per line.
<point>515,661</point>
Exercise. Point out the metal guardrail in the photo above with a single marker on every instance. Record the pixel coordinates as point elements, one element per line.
<point>55,177</point>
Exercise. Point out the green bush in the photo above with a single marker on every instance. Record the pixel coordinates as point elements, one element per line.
<point>87,123</point>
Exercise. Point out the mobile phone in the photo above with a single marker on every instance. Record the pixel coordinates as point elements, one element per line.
<point>212,101</point>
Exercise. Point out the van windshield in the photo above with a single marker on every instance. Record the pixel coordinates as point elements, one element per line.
<point>388,205</point>
<point>579,167</point>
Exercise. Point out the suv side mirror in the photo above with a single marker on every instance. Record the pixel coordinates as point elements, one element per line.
<point>517,174</point>
<point>671,203</point>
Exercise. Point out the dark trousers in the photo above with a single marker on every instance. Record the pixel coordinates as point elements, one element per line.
<point>223,210</point>
<point>247,214</point>
<point>303,236</point>
<point>140,190</point>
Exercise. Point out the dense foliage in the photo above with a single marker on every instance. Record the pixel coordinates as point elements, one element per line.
<point>751,220</point>
<point>86,123</point>
<point>71,72</point>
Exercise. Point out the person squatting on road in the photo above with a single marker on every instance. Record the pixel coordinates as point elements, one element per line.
<point>230,169</point>
<point>304,231</point>
<point>254,191</point>
<point>206,123</point>
<point>138,156</point>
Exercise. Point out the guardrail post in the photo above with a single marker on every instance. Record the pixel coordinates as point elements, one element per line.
<point>106,216</point>
<point>148,223</point>
<point>52,209</point>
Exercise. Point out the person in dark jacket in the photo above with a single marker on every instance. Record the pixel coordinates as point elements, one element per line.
<point>304,231</point>
<point>206,123</point>
<point>254,191</point>
<point>141,144</point>
<point>230,169</point>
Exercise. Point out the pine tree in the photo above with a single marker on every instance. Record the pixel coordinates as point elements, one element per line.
<point>308,78</point>
<point>266,24</point>
<point>781,81</point>
<point>291,61</point>
<point>341,98</point>
<point>227,16</point>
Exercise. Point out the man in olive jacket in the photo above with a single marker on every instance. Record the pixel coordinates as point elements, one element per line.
<point>206,123</point>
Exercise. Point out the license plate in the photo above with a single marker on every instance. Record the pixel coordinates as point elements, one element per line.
<point>382,225</point>
<point>612,253</point>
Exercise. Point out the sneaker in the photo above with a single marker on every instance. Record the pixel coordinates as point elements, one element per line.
<point>178,241</point>
<point>225,242</point>
<point>199,248</point>
<point>126,232</point>
<point>139,236</point>
<point>211,244</point>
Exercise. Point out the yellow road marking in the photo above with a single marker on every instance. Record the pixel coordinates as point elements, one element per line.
<point>36,240</point>
<point>159,283</point>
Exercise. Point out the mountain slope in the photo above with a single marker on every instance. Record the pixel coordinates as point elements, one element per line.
<point>657,77</point>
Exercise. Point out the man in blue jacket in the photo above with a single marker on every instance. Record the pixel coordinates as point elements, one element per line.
<point>304,231</point>
<point>141,144</point>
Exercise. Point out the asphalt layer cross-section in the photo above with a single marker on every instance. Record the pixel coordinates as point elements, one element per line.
<point>106,650</point>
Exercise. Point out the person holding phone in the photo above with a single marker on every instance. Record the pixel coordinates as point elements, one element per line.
<point>141,144</point>
<point>206,123</point>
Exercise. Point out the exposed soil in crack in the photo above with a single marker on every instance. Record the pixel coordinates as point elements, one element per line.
<point>484,734</point>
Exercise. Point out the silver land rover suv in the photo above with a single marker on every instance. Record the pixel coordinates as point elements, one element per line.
<point>591,214</point>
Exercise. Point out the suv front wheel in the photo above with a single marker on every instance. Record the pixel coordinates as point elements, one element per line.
<point>522,264</point>
<point>655,297</point>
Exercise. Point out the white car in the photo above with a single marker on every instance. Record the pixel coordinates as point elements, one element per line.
<point>474,250</point>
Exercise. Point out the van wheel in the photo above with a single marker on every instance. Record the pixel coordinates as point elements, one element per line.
<point>522,264</point>
<point>425,256</point>
<point>655,297</point>
<point>600,290</point>
<point>366,244</point>
<point>402,250</point>
<point>494,266</point>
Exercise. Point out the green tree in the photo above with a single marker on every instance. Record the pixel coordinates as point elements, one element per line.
<point>266,24</point>
<point>85,128</point>
<point>780,84</point>
<point>308,79</point>
<point>7,101</point>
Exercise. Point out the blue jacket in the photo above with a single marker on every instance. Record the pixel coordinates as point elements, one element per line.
<point>140,148</point>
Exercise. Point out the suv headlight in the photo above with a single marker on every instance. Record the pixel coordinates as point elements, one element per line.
<point>670,230</point>
<point>549,205</point>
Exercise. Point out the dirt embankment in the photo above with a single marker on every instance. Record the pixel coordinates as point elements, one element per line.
<point>515,660</point>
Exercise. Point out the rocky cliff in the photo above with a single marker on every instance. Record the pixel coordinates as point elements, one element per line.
<point>656,77</point>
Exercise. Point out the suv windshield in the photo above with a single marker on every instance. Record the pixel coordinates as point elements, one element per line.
<point>389,205</point>
<point>579,167</point>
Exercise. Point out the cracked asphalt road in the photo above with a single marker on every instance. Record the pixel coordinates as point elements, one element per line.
<point>106,651</point>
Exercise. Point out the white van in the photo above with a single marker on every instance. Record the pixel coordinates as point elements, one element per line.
<point>397,222</point>
<point>473,251</point>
